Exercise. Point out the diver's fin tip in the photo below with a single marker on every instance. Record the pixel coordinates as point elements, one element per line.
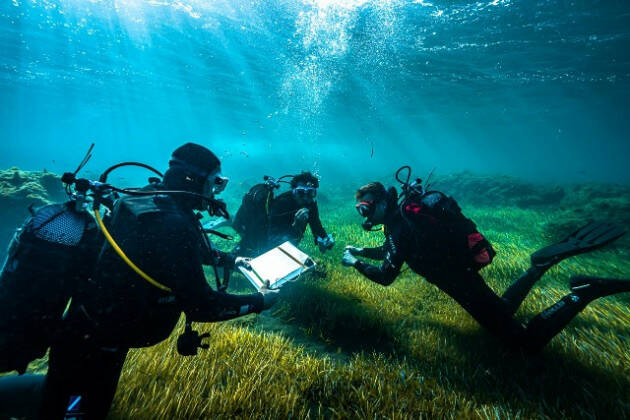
<point>588,238</point>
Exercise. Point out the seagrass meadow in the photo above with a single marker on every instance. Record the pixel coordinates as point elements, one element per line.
<point>522,107</point>
<point>339,346</point>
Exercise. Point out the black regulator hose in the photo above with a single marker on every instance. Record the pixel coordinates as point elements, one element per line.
<point>104,175</point>
<point>402,168</point>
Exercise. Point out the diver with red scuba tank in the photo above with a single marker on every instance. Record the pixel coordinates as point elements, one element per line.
<point>427,230</point>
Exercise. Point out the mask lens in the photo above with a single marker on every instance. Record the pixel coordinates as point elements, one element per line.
<point>365,208</point>
<point>220,182</point>
<point>305,192</point>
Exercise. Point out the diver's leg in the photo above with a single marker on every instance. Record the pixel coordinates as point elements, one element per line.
<point>586,239</point>
<point>83,370</point>
<point>65,367</point>
<point>79,367</point>
<point>520,288</point>
<point>101,384</point>
<point>470,290</point>
<point>20,395</point>
<point>547,324</point>
<point>593,287</point>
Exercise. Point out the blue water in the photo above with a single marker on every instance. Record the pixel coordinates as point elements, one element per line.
<point>537,89</point>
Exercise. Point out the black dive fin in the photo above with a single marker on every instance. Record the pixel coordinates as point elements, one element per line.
<point>588,238</point>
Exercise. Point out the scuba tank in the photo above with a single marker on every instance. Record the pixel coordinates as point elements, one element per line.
<point>54,249</point>
<point>437,219</point>
<point>252,218</point>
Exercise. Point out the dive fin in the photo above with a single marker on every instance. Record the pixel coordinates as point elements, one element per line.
<point>588,238</point>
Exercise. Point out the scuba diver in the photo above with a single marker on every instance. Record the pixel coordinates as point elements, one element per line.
<point>148,272</point>
<point>264,221</point>
<point>55,248</point>
<point>427,230</point>
<point>49,255</point>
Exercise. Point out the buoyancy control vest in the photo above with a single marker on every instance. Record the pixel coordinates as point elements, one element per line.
<point>49,254</point>
<point>441,228</point>
<point>121,308</point>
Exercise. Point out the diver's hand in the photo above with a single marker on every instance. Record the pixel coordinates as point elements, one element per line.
<point>270,296</point>
<point>243,262</point>
<point>353,250</point>
<point>301,216</point>
<point>348,259</point>
<point>190,341</point>
<point>325,243</point>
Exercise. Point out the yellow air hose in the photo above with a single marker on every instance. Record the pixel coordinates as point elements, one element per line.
<point>126,259</point>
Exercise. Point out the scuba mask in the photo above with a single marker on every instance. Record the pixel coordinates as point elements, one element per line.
<point>366,208</point>
<point>305,192</point>
<point>215,184</point>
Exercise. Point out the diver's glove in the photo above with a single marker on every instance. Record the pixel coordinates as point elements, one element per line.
<point>348,259</point>
<point>326,243</point>
<point>270,296</point>
<point>301,217</point>
<point>243,262</point>
<point>190,341</point>
<point>353,250</point>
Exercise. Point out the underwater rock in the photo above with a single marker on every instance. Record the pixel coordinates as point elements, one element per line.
<point>606,202</point>
<point>498,190</point>
<point>20,189</point>
<point>576,203</point>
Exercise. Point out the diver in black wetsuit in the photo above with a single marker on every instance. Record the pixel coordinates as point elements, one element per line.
<point>117,309</point>
<point>265,221</point>
<point>428,232</point>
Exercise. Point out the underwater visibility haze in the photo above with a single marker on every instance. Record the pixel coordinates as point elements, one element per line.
<point>519,108</point>
<point>537,89</point>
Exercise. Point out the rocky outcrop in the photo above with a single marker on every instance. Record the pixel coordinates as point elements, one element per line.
<point>21,189</point>
<point>500,190</point>
<point>578,203</point>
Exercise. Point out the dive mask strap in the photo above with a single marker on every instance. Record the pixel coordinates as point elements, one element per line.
<point>202,174</point>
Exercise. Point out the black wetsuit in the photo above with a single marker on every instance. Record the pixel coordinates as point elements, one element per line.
<point>428,250</point>
<point>279,226</point>
<point>50,254</point>
<point>119,310</point>
<point>282,226</point>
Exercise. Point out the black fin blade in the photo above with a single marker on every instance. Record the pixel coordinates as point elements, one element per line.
<point>587,230</point>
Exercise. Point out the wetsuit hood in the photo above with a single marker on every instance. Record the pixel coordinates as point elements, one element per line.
<point>195,159</point>
<point>189,168</point>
